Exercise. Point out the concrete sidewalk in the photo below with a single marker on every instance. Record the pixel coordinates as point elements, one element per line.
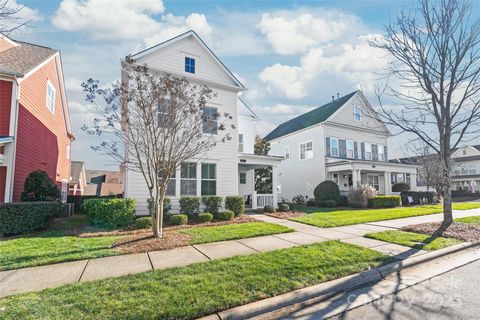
<point>54,275</point>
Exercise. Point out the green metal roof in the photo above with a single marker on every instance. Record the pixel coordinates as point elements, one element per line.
<point>310,118</point>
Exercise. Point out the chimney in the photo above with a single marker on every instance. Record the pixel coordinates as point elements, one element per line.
<point>338,95</point>
<point>333,98</point>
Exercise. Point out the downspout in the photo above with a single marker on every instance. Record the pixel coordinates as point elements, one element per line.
<point>11,148</point>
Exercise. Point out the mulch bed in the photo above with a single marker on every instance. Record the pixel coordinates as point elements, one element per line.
<point>285,215</point>
<point>460,231</point>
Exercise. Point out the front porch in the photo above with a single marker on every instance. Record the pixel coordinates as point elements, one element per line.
<point>380,175</point>
<point>247,165</point>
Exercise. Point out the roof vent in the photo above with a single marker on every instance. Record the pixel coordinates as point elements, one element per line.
<point>333,98</point>
<point>338,95</point>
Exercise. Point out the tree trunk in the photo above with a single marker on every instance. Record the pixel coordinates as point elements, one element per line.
<point>446,179</point>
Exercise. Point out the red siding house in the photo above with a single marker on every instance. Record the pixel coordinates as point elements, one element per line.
<point>35,132</point>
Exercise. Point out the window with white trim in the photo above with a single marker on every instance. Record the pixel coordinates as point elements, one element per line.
<point>357,112</point>
<point>350,152</point>
<point>209,179</point>
<point>50,98</point>
<point>381,153</point>
<point>188,179</point>
<point>189,65</point>
<point>368,151</point>
<point>306,150</point>
<point>67,151</point>
<point>243,178</point>
<point>472,169</point>
<point>240,142</point>
<point>334,147</point>
<point>287,153</point>
<point>210,124</point>
<point>374,181</point>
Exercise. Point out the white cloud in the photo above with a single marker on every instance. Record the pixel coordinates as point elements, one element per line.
<point>24,15</point>
<point>293,32</point>
<point>284,109</point>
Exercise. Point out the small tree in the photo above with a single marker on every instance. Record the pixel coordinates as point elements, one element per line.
<point>39,187</point>
<point>154,122</point>
<point>263,176</point>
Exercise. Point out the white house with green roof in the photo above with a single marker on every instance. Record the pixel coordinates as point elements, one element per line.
<point>342,141</point>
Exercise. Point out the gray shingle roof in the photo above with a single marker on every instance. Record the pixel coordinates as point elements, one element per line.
<point>21,59</point>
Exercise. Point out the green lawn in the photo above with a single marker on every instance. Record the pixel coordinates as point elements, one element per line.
<point>195,290</point>
<point>413,240</point>
<point>475,220</point>
<point>354,216</point>
<point>233,231</point>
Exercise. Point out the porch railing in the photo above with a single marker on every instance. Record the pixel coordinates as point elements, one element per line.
<point>261,200</point>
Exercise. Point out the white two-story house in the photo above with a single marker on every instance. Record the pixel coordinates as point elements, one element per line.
<point>466,176</point>
<point>342,141</point>
<point>228,169</point>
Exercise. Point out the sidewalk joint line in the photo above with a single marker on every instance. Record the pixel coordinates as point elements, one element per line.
<point>83,271</point>
<point>193,246</point>
<point>150,259</point>
<point>247,245</point>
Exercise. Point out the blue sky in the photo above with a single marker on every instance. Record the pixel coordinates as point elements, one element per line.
<point>292,55</point>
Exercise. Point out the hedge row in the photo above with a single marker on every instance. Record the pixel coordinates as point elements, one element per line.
<point>384,202</point>
<point>25,217</point>
<point>110,213</point>
<point>417,197</point>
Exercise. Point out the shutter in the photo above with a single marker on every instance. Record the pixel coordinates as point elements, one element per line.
<point>374,152</point>
<point>342,145</point>
<point>328,147</point>
<point>355,150</point>
<point>363,150</point>
<point>385,153</point>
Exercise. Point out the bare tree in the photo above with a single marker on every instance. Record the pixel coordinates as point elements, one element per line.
<point>155,122</point>
<point>435,67</point>
<point>430,170</point>
<point>9,17</point>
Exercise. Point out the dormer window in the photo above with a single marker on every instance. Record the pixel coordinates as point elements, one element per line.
<point>357,112</point>
<point>50,99</point>
<point>189,65</point>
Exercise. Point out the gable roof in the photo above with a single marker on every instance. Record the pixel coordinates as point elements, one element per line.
<point>24,57</point>
<point>184,35</point>
<point>310,118</point>
<point>242,102</point>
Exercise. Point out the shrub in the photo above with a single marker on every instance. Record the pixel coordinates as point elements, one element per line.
<point>327,190</point>
<point>205,217</point>
<point>110,213</point>
<point>235,204</point>
<point>418,197</point>
<point>143,223</point>
<point>400,186</point>
<point>298,199</point>
<point>224,215</point>
<point>283,207</point>
<point>212,203</point>
<point>39,187</point>
<point>190,205</point>
<point>269,209</point>
<point>311,203</point>
<point>358,198</point>
<point>384,202</point>
<point>25,217</point>
<point>178,219</point>
<point>329,203</point>
<point>167,207</point>
<point>343,201</point>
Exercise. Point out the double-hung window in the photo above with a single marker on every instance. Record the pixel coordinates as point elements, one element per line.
<point>334,147</point>
<point>240,142</point>
<point>368,151</point>
<point>170,185</point>
<point>209,179</point>
<point>472,169</point>
<point>381,153</point>
<point>306,150</point>
<point>64,192</point>
<point>350,152</point>
<point>374,182</point>
<point>188,179</point>
<point>357,112</point>
<point>210,116</point>
<point>189,65</point>
<point>243,178</point>
<point>287,153</point>
<point>50,99</point>
<point>163,111</point>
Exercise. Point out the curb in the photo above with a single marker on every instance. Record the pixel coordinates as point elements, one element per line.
<point>284,304</point>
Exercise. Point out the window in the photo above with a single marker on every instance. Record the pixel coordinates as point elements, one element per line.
<point>306,150</point>
<point>464,152</point>
<point>381,154</point>
<point>50,97</point>
<point>67,151</point>
<point>334,147</point>
<point>350,152</point>
<point>243,178</point>
<point>374,182</point>
<point>472,169</point>
<point>188,179</point>
<point>357,112</point>
<point>210,120</point>
<point>240,142</point>
<point>171,186</point>
<point>163,111</point>
<point>209,179</point>
<point>287,153</point>
<point>368,151</point>
<point>189,65</point>
<point>335,178</point>
<point>64,191</point>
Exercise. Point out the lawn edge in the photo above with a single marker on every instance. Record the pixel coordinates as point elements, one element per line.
<point>287,303</point>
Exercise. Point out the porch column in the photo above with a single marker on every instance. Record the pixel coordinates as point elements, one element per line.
<point>413,181</point>
<point>388,188</point>
<point>254,199</point>
<point>274,186</point>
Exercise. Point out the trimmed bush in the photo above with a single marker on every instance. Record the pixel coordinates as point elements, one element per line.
<point>329,203</point>
<point>190,205</point>
<point>205,217</point>
<point>235,204</point>
<point>327,190</point>
<point>311,203</point>
<point>269,209</point>
<point>343,201</point>
<point>143,223</point>
<point>298,199</point>
<point>418,197</point>
<point>224,215</point>
<point>212,203</point>
<point>283,207</point>
<point>178,219</point>
<point>384,202</point>
<point>110,213</point>
<point>400,186</point>
<point>25,217</point>
<point>39,187</point>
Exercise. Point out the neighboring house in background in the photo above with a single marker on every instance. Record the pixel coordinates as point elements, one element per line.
<point>229,167</point>
<point>342,141</point>
<point>103,182</point>
<point>78,179</point>
<point>35,132</point>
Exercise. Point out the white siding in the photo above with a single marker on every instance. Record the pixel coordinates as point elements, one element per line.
<point>465,152</point>
<point>246,126</point>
